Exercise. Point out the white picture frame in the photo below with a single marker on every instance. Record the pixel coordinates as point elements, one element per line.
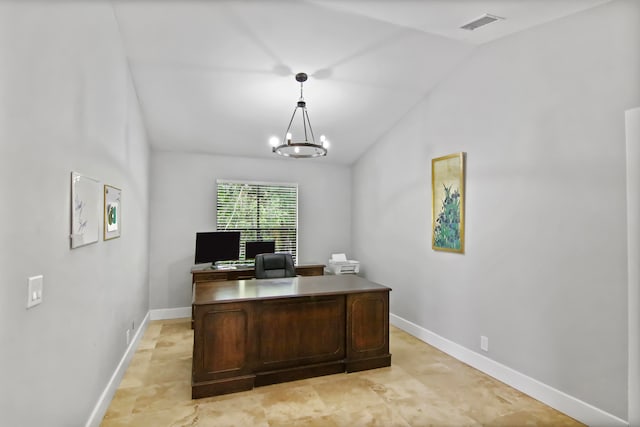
<point>85,208</point>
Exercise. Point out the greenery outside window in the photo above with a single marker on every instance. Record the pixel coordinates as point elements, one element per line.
<point>260,211</point>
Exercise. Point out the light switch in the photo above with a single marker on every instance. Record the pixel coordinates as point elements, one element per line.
<point>34,294</point>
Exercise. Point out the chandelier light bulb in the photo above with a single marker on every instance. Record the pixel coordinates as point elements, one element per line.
<point>274,141</point>
<point>288,137</point>
<point>324,142</point>
<point>297,150</point>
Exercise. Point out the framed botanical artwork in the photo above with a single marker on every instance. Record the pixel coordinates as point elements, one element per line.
<point>85,208</point>
<point>112,212</point>
<point>447,203</point>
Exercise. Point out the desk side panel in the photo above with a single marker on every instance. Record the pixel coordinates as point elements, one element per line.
<point>367,331</point>
<point>222,346</point>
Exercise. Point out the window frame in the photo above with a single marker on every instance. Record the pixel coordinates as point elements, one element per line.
<point>290,185</point>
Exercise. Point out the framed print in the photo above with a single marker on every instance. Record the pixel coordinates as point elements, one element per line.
<point>112,212</point>
<point>85,201</point>
<point>447,203</point>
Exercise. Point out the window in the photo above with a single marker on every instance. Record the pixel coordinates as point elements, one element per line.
<point>260,211</point>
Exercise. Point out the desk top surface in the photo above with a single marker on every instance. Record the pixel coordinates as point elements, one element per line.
<point>255,289</point>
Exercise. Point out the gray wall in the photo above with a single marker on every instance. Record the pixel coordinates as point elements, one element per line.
<point>183,202</point>
<point>541,117</point>
<point>66,104</point>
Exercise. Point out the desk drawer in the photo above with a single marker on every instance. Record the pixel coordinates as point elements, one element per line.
<point>240,275</point>
<point>209,276</point>
<point>313,270</point>
<point>300,331</point>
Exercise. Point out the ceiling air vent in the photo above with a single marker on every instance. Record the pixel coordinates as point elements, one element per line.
<point>481,21</point>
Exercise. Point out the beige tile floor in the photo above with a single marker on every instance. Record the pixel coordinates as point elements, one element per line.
<point>423,387</point>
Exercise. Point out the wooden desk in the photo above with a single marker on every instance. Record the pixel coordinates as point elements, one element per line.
<point>209,274</point>
<point>256,332</point>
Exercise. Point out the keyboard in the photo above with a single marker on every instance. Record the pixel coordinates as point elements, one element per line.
<point>234,265</point>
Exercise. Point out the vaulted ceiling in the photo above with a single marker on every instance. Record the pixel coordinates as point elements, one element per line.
<point>218,76</point>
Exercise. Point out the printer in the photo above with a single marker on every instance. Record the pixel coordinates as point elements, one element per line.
<point>339,264</point>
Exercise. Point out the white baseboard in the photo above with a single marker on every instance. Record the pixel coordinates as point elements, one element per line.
<point>170,313</point>
<point>107,395</point>
<point>557,399</point>
<point>105,398</point>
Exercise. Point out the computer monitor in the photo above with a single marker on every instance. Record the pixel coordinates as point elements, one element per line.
<point>251,249</point>
<point>214,246</point>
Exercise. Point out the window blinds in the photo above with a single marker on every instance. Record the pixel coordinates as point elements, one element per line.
<point>260,211</point>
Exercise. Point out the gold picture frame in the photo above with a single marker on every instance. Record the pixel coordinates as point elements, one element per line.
<point>447,202</point>
<point>112,212</point>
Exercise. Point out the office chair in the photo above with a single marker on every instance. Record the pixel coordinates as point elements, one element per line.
<point>272,266</point>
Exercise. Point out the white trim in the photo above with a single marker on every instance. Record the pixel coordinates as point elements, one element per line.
<point>557,399</point>
<point>632,130</point>
<point>105,398</point>
<point>170,313</point>
<point>240,181</point>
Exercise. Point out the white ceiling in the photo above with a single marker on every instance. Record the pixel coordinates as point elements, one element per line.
<point>218,76</point>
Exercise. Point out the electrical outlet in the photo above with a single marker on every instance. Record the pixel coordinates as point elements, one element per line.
<point>484,343</point>
<point>128,336</point>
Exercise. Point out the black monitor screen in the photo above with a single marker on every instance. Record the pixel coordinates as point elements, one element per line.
<point>254,248</point>
<point>216,246</point>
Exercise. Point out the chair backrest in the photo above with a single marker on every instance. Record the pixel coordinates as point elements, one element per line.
<point>272,266</point>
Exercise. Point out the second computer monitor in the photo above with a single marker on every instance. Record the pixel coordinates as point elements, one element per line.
<point>251,249</point>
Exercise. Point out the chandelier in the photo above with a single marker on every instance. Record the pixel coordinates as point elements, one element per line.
<point>300,147</point>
